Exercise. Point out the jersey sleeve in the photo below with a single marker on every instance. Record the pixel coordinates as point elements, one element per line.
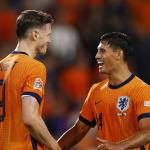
<point>142,103</point>
<point>86,113</point>
<point>35,82</point>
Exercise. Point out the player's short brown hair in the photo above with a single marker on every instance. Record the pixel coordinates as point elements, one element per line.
<point>29,19</point>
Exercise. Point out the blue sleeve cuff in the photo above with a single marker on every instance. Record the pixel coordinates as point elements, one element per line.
<point>144,115</point>
<point>87,122</point>
<point>35,95</point>
<point>34,143</point>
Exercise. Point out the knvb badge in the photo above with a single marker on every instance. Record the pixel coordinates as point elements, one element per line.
<point>38,84</point>
<point>123,105</point>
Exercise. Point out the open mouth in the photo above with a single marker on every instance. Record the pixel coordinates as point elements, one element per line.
<point>100,63</point>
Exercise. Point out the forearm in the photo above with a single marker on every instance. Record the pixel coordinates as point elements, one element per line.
<point>73,136</point>
<point>140,138</point>
<point>68,139</point>
<point>40,132</point>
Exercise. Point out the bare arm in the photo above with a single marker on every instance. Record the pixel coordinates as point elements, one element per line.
<point>35,123</point>
<point>142,137</point>
<point>73,135</point>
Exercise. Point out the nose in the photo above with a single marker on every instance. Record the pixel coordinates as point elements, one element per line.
<point>49,40</point>
<point>98,55</point>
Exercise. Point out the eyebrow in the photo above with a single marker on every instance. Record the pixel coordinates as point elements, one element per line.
<point>100,48</point>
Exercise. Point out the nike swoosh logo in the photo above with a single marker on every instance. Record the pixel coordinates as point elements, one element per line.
<point>97,102</point>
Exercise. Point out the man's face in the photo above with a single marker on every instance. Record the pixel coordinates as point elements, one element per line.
<point>44,39</point>
<point>106,58</point>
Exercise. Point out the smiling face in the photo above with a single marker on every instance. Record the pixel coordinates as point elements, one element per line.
<point>107,58</point>
<point>43,39</point>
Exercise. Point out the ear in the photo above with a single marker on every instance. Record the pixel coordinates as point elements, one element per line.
<point>119,54</point>
<point>35,34</point>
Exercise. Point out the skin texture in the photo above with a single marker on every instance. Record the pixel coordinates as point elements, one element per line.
<point>36,42</point>
<point>44,39</point>
<point>73,135</point>
<point>35,123</point>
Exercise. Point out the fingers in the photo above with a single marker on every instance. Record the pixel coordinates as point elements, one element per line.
<point>101,140</point>
<point>59,148</point>
<point>44,148</point>
<point>102,147</point>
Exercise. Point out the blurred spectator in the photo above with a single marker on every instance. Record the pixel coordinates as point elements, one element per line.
<point>142,56</point>
<point>37,4</point>
<point>140,10</point>
<point>91,27</point>
<point>74,9</point>
<point>76,79</point>
<point>7,25</point>
<point>118,15</point>
<point>65,38</point>
<point>140,27</point>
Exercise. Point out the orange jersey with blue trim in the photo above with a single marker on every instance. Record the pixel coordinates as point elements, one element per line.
<point>20,75</point>
<point>116,110</point>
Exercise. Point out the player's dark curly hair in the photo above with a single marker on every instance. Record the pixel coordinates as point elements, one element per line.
<point>119,40</point>
<point>29,19</point>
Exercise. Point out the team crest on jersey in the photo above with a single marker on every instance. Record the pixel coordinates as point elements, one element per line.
<point>123,103</point>
<point>38,83</point>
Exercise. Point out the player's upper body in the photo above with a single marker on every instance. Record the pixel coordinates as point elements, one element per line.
<point>22,76</point>
<point>22,81</point>
<point>116,110</point>
<point>119,106</point>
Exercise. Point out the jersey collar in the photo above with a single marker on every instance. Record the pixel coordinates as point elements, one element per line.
<point>121,84</point>
<point>17,52</point>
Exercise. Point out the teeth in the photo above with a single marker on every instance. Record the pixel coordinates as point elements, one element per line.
<point>100,62</point>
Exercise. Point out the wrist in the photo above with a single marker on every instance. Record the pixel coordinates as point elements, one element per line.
<point>123,145</point>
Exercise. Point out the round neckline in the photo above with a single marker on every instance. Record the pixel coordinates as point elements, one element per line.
<point>18,52</point>
<point>121,84</point>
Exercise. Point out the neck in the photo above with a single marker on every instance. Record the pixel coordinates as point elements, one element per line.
<point>120,75</point>
<point>25,46</point>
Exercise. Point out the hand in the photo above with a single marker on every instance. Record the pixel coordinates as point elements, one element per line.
<point>56,147</point>
<point>107,145</point>
<point>59,148</point>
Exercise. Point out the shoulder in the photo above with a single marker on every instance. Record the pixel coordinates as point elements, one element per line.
<point>38,67</point>
<point>96,89</point>
<point>140,87</point>
<point>99,85</point>
<point>139,84</point>
<point>29,66</point>
<point>33,64</point>
<point>39,64</point>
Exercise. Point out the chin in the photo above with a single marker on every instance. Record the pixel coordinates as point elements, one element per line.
<point>103,72</point>
<point>42,52</point>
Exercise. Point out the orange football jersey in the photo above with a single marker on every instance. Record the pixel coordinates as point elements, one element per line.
<point>116,110</point>
<point>20,75</point>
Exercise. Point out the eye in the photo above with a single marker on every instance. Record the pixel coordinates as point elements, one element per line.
<point>101,51</point>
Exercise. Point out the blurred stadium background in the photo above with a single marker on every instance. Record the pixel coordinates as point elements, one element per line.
<point>70,60</point>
